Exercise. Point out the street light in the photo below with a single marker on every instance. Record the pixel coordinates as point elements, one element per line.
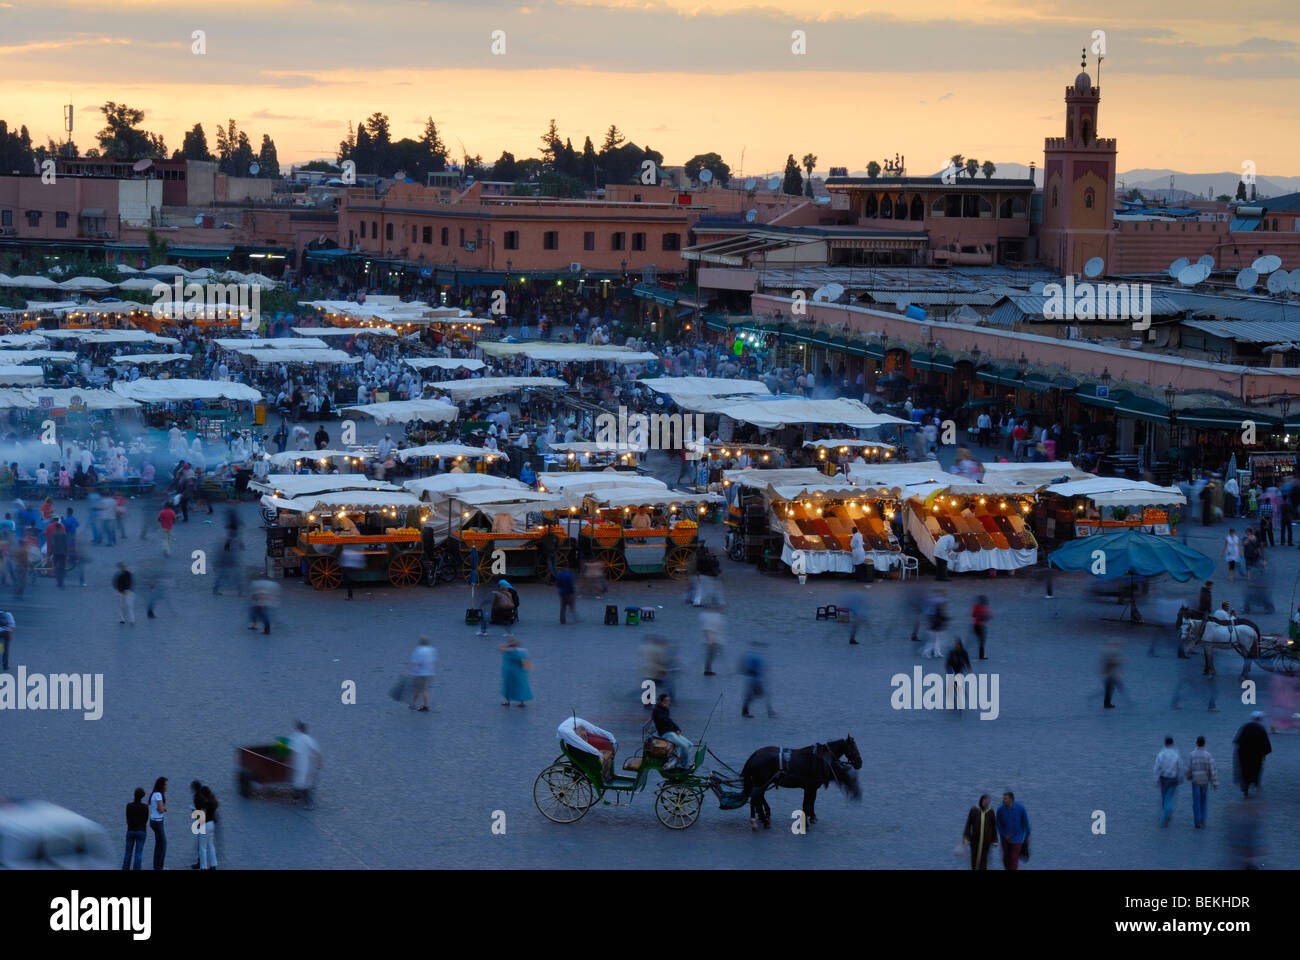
<point>1105,377</point>
<point>1024,364</point>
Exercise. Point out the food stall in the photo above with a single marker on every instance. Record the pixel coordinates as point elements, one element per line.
<point>500,531</point>
<point>989,524</point>
<point>1098,505</point>
<point>321,461</point>
<point>591,455</point>
<point>835,455</point>
<point>213,408</point>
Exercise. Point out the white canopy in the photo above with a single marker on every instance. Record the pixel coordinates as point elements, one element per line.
<point>564,352</point>
<point>345,331</point>
<point>647,496</point>
<point>290,457</point>
<point>275,343</point>
<point>103,308</point>
<point>286,486</point>
<point>86,283</point>
<point>126,268</point>
<point>691,387</point>
<point>595,446</point>
<point>1034,474</point>
<point>461,390</point>
<point>30,398</point>
<point>329,503</point>
<point>445,484</point>
<point>761,479</point>
<point>444,363</point>
<point>851,442</point>
<point>21,340</point>
<point>108,336</point>
<point>325,356</point>
<point>36,356</point>
<point>573,739</point>
<point>139,283</point>
<point>31,283</point>
<point>22,376</point>
<point>1119,491</point>
<point>142,359</point>
<point>456,450</point>
<point>165,270</point>
<point>401,411</point>
<point>147,390</point>
<point>596,480</point>
<point>773,412</point>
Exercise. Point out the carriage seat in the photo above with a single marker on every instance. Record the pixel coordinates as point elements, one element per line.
<point>632,763</point>
<point>656,747</point>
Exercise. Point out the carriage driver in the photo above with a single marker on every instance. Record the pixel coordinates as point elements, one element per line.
<point>668,729</point>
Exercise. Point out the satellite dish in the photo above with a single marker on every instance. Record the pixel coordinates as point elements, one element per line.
<point>903,305</point>
<point>1277,281</point>
<point>1190,276</point>
<point>198,221</point>
<point>141,165</point>
<point>705,176</point>
<point>773,182</point>
<point>820,294</point>
<point>751,183</point>
<point>1266,264</point>
<point>1037,289</point>
<point>1094,267</point>
<point>253,169</point>
<point>1206,261</point>
<point>1293,282</point>
<point>1246,279</point>
<point>1178,266</point>
<point>751,216</point>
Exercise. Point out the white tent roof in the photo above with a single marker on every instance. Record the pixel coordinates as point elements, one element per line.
<point>448,450</point>
<point>29,398</point>
<point>444,363</point>
<point>147,390</point>
<point>460,390</point>
<point>32,283</point>
<point>325,356</point>
<point>103,308</point>
<point>595,446</point>
<point>400,411</point>
<point>290,485</point>
<point>165,270</point>
<point>1119,491</point>
<point>648,496</point>
<point>86,283</point>
<point>345,331</point>
<point>275,343</point>
<point>140,283</point>
<point>289,457</point>
<point>126,268</point>
<point>903,475</point>
<point>563,352</point>
<point>21,340</point>
<point>36,356</point>
<point>147,358</point>
<point>773,412</point>
<point>597,480</point>
<point>22,376</point>
<point>108,336</point>
<point>688,387</point>
<point>346,499</point>
<point>445,484</point>
<point>851,442</point>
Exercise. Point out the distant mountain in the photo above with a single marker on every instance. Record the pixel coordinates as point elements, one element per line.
<point>1196,184</point>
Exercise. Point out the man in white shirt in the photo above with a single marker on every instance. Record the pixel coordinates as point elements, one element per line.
<point>1231,493</point>
<point>423,658</point>
<point>984,423</point>
<point>306,761</point>
<point>1168,773</point>
<point>944,551</point>
<point>42,476</point>
<point>385,447</point>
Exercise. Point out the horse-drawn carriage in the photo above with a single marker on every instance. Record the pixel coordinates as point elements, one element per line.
<point>584,773</point>
<point>1276,654</point>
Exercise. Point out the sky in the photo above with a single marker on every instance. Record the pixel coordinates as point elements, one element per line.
<point>1186,84</point>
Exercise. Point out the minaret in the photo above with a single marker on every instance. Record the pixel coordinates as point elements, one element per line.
<point>1078,183</point>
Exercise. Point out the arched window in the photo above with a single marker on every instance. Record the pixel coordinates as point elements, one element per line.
<point>1275,223</point>
<point>986,208</point>
<point>886,207</point>
<point>936,208</point>
<point>1004,209</point>
<point>1089,198</point>
<point>1055,197</point>
<point>900,208</point>
<point>873,205</point>
<point>918,209</point>
<point>1087,129</point>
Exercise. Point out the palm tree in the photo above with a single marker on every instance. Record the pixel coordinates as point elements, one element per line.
<point>809,163</point>
<point>972,167</point>
<point>989,168</point>
<point>958,162</point>
<point>873,169</point>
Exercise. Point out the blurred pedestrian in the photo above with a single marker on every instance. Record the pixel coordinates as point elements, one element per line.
<point>1110,673</point>
<point>122,583</point>
<point>1232,553</point>
<point>226,557</point>
<point>754,668</point>
<point>514,673</point>
<point>712,625</point>
<point>936,620</point>
<point>166,521</point>
<point>1168,773</point>
<point>56,540</point>
<point>7,627</point>
<point>306,763</point>
<point>981,832</point>
<point>264,594</point>
<point>1252,747</point>
<point>351,562</point>
<point>565,587</point>
<point>1203,773</point>
<point>854,603</point>
<point>980,616</point>
<point>157,808</point>
<point>207,803</point>
<point>423,658</point>
<point>1013,831</point>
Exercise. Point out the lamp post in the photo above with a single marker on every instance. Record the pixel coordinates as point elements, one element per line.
<point>1170,395</point>
<point>455,277</point>
<point>1284,402</point>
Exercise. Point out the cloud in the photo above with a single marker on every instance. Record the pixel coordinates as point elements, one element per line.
<point>946,96</point>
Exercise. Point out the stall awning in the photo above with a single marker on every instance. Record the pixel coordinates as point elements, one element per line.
<point>942,363</point>
<point>1141,408</point>
<point>201,253</point>
<point>1087,395</point>
<point>326,256</point>
<point>1225,418</point>
<point>1034,385</point>
<point>920,360</point>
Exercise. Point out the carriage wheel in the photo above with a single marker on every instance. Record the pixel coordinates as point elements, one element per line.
<point>562,793</point>
<point>544,569</point>
<point>678,805</point>
<point>484,566</point>
<point>405,570</point>
<point>325,574</point>
<point>615,564</point>
<point>679,561</point>
<point>270,515</point>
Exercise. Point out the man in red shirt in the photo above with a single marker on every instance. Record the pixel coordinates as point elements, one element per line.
<point>1018,437</point>
<point>167,520</point>
<point>980,616</point>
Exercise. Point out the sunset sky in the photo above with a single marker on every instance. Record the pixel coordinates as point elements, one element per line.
<point>1186,84</point>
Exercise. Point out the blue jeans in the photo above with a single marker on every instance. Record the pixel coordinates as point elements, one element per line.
<point>134,844</point>
<point>1168,788</point>
<point>1200,797</point>
<point>159,843</point>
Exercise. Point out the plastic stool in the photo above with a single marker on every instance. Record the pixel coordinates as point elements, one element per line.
<point>611,615</point>
<point>647,613</point>
<point>633,616</point>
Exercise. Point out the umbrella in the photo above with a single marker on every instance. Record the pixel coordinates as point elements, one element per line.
<point>473,572</point>
<point>1134,554</point>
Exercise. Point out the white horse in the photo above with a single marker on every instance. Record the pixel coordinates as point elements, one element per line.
<point>1210,632</point>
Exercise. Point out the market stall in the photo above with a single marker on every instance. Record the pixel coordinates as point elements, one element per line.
<point>1102,505</point>
<point>989,524</point>
<point>591,455</point>
<point>502,531</point>
<point>407,411</point>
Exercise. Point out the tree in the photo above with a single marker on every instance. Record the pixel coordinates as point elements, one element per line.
<point>1223,198</point>
<point>873,169</point>
<point>121,139</point>
<point>809,164</point>
<point>613,139</point>
<point>347,147</point>
<point>567,162</point>
<point>711,162</point>
<point>434,147</point>
<point>363,154</point>
<point>551,146</point>
<point>793,182</point>
<point>267,161</point>
<point>552,183</point>
<point>157,248</point>
<point>505,168</point>
<point>972,167</point>
<point>195,144</point>
<point>989,168</point>
<point>319,166</point>
<point>380,143</point>
<point>588,167</point>
<point>474,166</point>
<point>958,162</point>
<point>1241,190</point>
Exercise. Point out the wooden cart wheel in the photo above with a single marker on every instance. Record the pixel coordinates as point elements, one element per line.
<point>484,565</point>
<point>405,570</point>
<point>615,564</point>
<point>562,793</point>
<point>678,805</point>
<point>678,563</point>
<point>325,574</point>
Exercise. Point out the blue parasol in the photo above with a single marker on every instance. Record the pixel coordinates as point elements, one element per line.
<point>1134,553</point>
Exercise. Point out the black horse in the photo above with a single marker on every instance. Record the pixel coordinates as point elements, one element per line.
<point>807,768</point>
